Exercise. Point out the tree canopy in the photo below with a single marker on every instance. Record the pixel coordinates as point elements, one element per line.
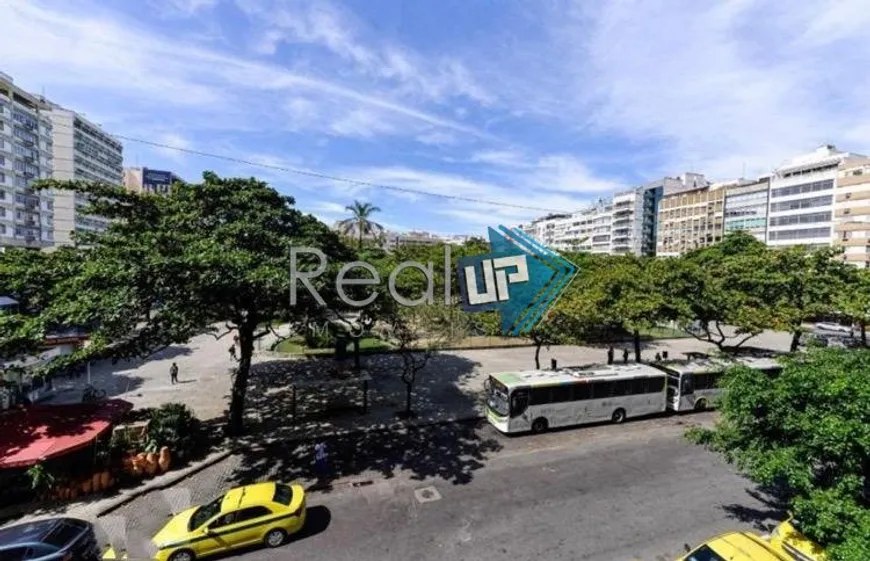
<point>210,257</point>
<point>805,433</point>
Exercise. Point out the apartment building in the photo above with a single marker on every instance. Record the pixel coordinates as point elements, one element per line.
<point>634,218</point>
<point>26,215</point>
<point>147,180</point>
<point>801,205</point>
<point>82,151</point>
<point>746,207</point>
<point>690,218</point>
<point>852,211</point>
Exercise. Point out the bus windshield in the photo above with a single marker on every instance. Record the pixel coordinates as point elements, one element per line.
<point>497,400</point>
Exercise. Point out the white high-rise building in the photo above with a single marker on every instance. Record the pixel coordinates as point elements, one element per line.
<point>585,230</point>
<point>26,216</point>
<point>82,151</point>
<point>802,199</point>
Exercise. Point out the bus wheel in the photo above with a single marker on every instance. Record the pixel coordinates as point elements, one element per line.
<point>618,416</point>
<point>700,405</point>
<point>540,425</point>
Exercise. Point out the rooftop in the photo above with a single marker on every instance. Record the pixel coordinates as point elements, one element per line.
<point>570,374</point>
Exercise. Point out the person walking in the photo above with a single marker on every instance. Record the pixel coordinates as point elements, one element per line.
<point>320,459</point>
<point>658,357</point>
<point>610,355</point>
<point>173,373</point>
<point>625,356</point>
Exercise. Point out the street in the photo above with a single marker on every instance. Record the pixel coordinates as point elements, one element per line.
<point>603,493</point>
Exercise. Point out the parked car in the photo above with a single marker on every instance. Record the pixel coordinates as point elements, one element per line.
<point>51,539</point>
<point>835,327</point>
<point>788,538</point>
<point>262,513</point>
<point>734,546</point>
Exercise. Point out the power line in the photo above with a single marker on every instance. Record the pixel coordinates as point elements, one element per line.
<point>319,175</point>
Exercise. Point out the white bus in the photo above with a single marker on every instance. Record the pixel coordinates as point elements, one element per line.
<point>694,383</point>
<point>538,400</point>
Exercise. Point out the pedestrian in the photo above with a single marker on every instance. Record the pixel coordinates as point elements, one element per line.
<point>173,373</point>
<point>625,356</point>
<point>320,459</point>
<point>658,357</point>
<point>233,352</point>
<point>610,355</point>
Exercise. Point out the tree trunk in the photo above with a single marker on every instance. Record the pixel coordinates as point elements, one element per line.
<point>863,334</point>
<point>356,364</point>
<point>636,345</point>
<point>796,340</point>
<point>236,424</point>
<point>408,391</point>
<point>538,356</point>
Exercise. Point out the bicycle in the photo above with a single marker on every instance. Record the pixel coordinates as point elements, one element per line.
<point>92,394</point>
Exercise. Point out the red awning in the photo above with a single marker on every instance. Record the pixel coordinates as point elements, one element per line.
<point>40,432</point>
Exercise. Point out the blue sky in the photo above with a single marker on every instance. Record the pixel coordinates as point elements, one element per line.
<point>547,104</point>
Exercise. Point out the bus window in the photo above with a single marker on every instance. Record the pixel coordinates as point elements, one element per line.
<point>621,388</point>
<point>519,402</point>
<point>688,387</point>
<point>639,385</point>
<point>582,392</point>
<point>655,385</point>
<point>562,394</point>
<point>602,390</point>
<point>540,396</point>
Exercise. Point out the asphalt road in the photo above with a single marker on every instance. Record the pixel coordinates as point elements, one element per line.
<point>608,493</point>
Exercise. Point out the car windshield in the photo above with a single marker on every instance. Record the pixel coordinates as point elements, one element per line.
<point>205,513</point>
<point>498,397</point>
<point>704,553</point>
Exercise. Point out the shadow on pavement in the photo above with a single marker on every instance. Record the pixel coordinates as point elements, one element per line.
<point>773,509</point>
<point>279,447</point>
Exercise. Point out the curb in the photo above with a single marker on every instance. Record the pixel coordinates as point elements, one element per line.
<point>133,494</point>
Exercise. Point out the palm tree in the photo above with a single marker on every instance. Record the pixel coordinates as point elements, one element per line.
<point>360,222</point>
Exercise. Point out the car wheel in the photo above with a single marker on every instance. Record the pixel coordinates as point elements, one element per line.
<point>701,405</point>
<point>275,537</point>
<point>618,416</point>
<point>182,555</point>
<point>540,425</point>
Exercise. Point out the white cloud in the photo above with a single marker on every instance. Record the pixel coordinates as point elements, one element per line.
<point>173,142</point>
<point>326,25</point>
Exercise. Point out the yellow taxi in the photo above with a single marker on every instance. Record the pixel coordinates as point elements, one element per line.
<point>734,546</point>
<point>788,539</point>
<point>263,513</point>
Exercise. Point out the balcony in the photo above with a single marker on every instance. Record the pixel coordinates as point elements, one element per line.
<point>855,195</point>
<point>852,227</point>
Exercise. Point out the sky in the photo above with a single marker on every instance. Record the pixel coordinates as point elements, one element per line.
<point>540,105</point>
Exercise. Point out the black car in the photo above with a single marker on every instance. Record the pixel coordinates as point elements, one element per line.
<point>52,539</point>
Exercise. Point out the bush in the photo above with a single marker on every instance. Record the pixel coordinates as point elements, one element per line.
<point>173,425</point>
<point>319,338</point>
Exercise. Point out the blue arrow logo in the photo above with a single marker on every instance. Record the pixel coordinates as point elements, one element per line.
<point>520,278</point>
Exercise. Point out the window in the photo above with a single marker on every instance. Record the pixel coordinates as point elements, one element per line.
<point>251,513</point>
<point>802,203</point>
<point>61,535</point>
<point>205,513</point>
<point>561,394</point>
<point>622,387</point>
<point>540,396</point>
<point>226,520</point>
<point>704,553</point>
<point>602,390</point>
<point>582,392</point>
<point>638,386</point>
<point>799,234</point>
<point>801,219</point>
<point>656,385</point>
<point>802,188</point>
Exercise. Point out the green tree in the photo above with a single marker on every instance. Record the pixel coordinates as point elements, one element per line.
<point>718,294</point>
<point>800,285</point>
<point>853,299</point>
<point>360,222</point>
<point>419,332</point>
<point>214,257</point>
<point>805,434</point>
